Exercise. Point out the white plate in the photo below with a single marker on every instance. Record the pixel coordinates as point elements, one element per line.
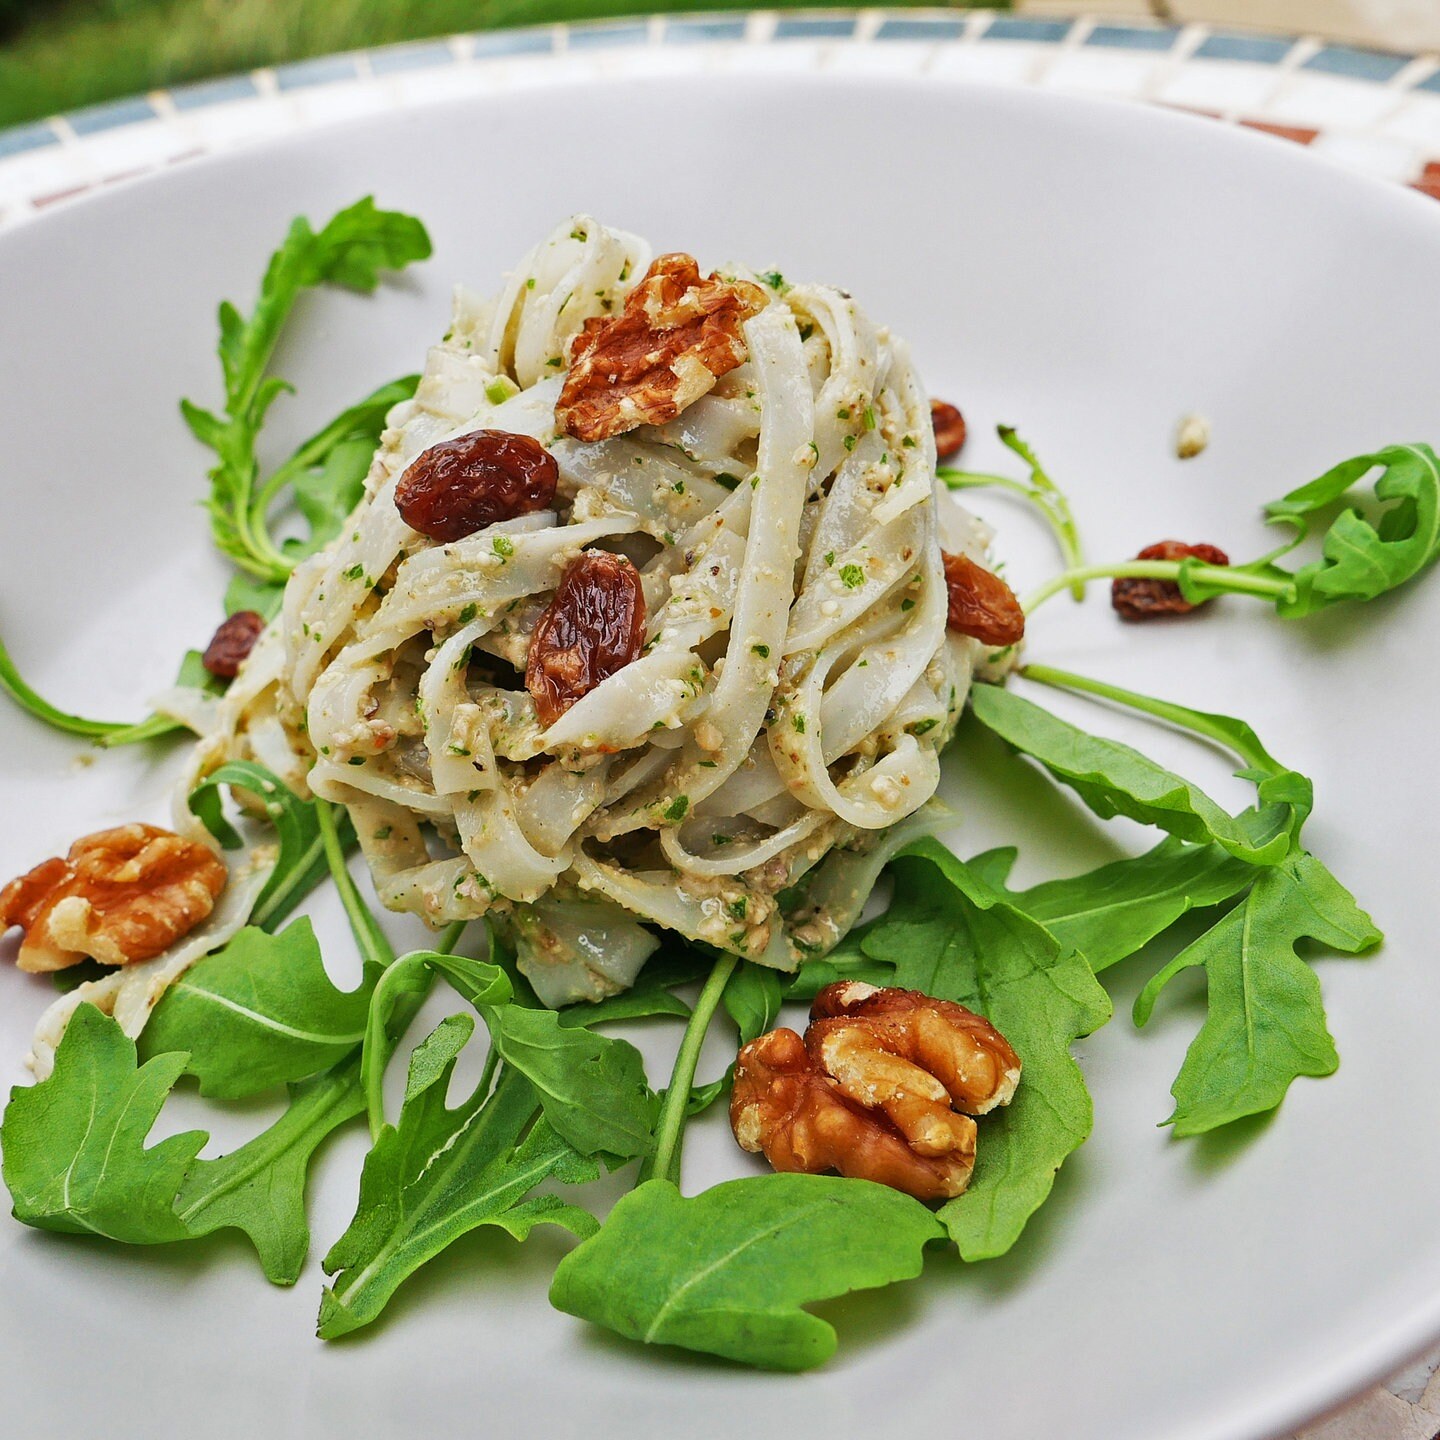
<point>1088,271</point>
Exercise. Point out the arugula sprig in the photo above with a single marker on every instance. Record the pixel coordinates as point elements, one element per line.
<point>1265,1022</point>
<point>1359,559</point>
<point>1038,490</point>
<point>109,734</point>
<point>324,476</point>
<point>351,249</point>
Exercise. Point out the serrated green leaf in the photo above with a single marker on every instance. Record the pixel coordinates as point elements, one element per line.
<point>74,1145</point>
<point>952,936</point>
<point>1111,912</point>
<point>259,1189</point>
<point>440,1173</point>
<point>351,250</point>
<point>260,1012</point>
<point>301,864</point>
<point>1116,779</point>
<point>1265,1023</point>
<point>592,1087</point>
<point>729,1272</point>
<point>1359,560</point>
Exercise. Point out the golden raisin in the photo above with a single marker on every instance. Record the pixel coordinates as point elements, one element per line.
<point>594,626</point>
<point>981,603</point>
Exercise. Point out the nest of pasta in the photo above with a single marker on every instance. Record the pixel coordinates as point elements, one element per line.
<point>756,461</point>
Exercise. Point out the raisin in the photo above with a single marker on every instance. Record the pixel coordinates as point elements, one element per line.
<point>981,603</point>
<point>593,627</point>
<point>949,426</point>
<point>232,642</point>
<point>1136,598</point>
<point>462,485</point>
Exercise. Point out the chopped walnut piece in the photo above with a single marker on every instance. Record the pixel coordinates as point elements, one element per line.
<point>1136,598</point>
<point>675,337</point>
<point>981,604</point>
<point>881,1087</point>
<point>120,896</point>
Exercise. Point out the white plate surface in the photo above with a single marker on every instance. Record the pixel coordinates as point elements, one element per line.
<point>1090,272</point>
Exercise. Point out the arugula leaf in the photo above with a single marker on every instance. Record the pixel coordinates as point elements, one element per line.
<point>592,1087</point>
<point>441,1173</point>
<point>643,1002</point>
<point>479,981</point>
<point>351,250</point>
<point>74,1145</point>
<point>1265,1024</point>
<point>1359,560</point>
<point>752,997</point>
<point>729,1271</point>
<point>1114,779</point>
<point>259,1189</point>
<point>1111,912</point>
<point>259,1012</point>
<point>302,863</point>
<point>953,936</point>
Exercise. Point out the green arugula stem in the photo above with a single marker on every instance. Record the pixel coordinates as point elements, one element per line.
<point>1196,722</point>
<point>1234,581</point>
<point>390,1021</point>
<point>374,947</point>
<point>668,1131</point>
<point>13,683</point>
<point>1052,505</point>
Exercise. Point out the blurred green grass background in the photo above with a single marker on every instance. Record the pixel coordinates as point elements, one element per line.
<point>57,55</point>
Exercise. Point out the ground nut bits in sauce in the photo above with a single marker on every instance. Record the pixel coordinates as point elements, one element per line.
<point>462,485</point>
<point>119,897</point>
<point>982,605</point>
<point>593,627</point>
<point>882,1087</point>
<point>675,337</point>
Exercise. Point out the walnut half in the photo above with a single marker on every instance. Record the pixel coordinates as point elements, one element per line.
<point>675,337</point>
<point>120,896</point>
<point>882,1087</point>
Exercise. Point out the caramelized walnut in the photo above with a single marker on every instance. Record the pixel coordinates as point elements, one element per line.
<point>882,1087</point>
<point>120,896</point>
<point>232,643</point>
<point>1136,598</point>
<point>981,603</point>
<point>593,627</point>
<point>675,337</point>
<point>949,426</point>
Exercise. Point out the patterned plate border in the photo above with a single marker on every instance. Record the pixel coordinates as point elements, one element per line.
<point>1369,110</point>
